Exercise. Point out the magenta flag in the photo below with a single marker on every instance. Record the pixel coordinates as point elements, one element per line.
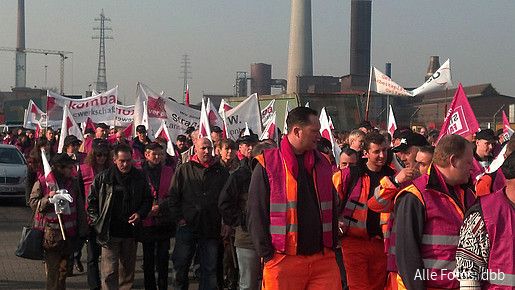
<point>460,119</point>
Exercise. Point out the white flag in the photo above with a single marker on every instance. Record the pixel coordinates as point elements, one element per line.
<point>325,131</point>
<point>271,130</point>
<point>392,125</point>
<point>287,110</point>
<point>163,133</point>
<point>68,127</point>
<point>440,80</point>
<point>267,112</point>
<point>247,111</point>
<point>212,114</point>
<point>383,84</point>
<point>224,107</point>
<point>204,130</point>
<point>33,116</point>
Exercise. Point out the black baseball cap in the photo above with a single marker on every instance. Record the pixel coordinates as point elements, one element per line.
<point>412,139</point>
<point>71,140</point>
<point>486,134</point>
<point>103,126</point>
<point>248,139</point>
<point>190,130</point>
<point>216,129</point>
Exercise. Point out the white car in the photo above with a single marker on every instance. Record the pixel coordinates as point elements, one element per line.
<point>13,172</point>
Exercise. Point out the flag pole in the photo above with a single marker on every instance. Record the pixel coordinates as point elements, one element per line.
<point>368,95</point>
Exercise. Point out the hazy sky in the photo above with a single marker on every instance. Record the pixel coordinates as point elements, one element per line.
<point>225,36</point>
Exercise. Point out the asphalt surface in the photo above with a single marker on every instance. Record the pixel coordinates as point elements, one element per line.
<point>18,273</point>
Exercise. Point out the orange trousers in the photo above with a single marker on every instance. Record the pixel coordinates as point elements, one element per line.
<point>315,272</point>
<point>365,263</point>
<point>395,283</point>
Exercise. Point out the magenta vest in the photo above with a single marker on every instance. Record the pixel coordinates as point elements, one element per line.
<point>440,236</point>
<point>161,193</point>
<point>69,221</point>
<point>499,217</point>
<point>276,170</point>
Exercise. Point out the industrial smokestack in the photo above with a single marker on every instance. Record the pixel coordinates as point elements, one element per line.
<point>434,65</point>
<point>21,72</point>
<point>260,79</point>
<point>300,53</point>
<point>360,35</point>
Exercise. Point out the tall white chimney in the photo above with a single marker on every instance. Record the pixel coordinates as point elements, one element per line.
<point>300,53</point>
<point>21,68</point>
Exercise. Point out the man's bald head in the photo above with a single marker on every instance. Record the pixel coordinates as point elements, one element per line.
<point>204,149</point>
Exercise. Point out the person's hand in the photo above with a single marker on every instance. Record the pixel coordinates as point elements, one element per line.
<point>181,223</point>
<point>154,211</point>
<point>134,218</point>
<point>407,174</point>
<point>51,193</point>
<point>226,232</point>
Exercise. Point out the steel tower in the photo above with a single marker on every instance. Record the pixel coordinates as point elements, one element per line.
<point>102,28</point>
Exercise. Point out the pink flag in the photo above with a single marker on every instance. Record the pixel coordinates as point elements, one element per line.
<point>507,131</point>
<point>212,114</point>
<point>460,119</point>
<point>89,124</point>
<point>127,132</point>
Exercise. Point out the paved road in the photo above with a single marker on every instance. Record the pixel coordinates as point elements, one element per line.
<point>17,273</point>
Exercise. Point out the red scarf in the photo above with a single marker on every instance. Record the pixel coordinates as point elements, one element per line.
<point>194,158</point>
<point>291,160</point>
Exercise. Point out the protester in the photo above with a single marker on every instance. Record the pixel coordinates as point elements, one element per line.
<point>362,244</point>
<point>233,207</point>
<point>88,139</point>
<point>365,127</point>
<point>227,151</point>
<point>119,199</point>
<point>71,147</point>
<point>35,165</point>
<point>97,160</point>
<point>325,147</point>
<point>51,137</point>
<point>424,158</point>
<point>428,217</point>
<point>356,141</point>
<point>193,200</point>
<point>58,248</point>
<point>494,181</point>
<point>216,134</point>
<point>157,227</point>
<point>120,138</point>
<point>485,141</point>
<point>101,131</point>
<point>185,156</point>
<point>348,157</point>
<point>485,257</point>
<point>181,143</point>
<point>245,144</point>
<point>432,137</point>
<point>138,145</point>
<point>292,210</point>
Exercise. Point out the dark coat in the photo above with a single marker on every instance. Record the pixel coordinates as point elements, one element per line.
<point>100,200</point>
<point>194,197</point>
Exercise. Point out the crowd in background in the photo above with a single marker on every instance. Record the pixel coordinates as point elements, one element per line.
<point>220,203</point>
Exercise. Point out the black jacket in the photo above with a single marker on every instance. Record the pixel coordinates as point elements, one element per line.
<point>233,204</point>
<point>194,197</point>
<point>100,200</point>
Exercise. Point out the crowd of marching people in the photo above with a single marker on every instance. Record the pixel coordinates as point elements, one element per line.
<point>401,211</point>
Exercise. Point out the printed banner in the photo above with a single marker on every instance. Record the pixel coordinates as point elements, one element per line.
<point>178,117</point>
<point>247,111</point>
<point>100,108</point>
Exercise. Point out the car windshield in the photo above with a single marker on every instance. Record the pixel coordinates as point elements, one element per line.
<point>10,156</point>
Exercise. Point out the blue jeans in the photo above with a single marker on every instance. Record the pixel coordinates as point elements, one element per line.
<point>186,241</point>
